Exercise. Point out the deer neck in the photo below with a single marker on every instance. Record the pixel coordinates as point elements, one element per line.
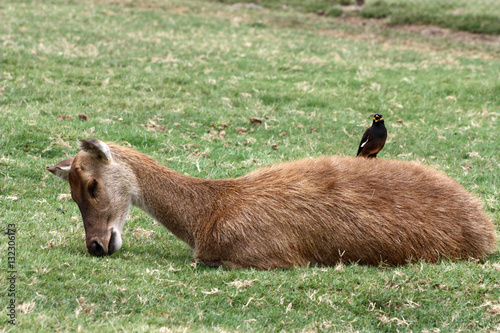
<point>178,202</point>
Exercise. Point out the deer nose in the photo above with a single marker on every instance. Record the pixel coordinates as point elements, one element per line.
<point>96,249</point>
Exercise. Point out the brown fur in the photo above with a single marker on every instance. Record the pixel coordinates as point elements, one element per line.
<point>319,211</point>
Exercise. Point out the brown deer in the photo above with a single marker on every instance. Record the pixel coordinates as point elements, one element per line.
<point>320,211</point>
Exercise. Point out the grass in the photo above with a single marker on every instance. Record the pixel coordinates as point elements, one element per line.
<point>472,16</point>
<point>179,81</point>
<point>321,7</point>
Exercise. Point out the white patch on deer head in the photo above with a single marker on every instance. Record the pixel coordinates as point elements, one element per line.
<point>103,189</point>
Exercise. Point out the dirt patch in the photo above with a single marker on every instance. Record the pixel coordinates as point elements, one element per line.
<point>463,36</point>
<point>424,30</point>
<point>415,37</point>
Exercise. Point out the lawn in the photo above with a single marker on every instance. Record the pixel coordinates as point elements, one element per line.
<point>179,81</point>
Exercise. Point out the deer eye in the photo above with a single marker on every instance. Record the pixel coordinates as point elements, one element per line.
<point>93,188</point>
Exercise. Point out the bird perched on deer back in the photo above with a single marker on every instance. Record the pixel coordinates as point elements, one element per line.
<point>374,138</point>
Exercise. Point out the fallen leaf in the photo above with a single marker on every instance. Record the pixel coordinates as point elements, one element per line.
<point>241,130</point>
<point>153,126</point>
<point>255,120</point>
<point>467,166</point>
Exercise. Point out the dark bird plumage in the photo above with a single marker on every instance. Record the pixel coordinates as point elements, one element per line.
<point>374,138</point>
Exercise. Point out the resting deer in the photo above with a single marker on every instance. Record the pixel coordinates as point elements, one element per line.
<point>315,211</point>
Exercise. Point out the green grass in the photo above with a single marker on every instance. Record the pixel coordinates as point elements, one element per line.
<point>168,78</point>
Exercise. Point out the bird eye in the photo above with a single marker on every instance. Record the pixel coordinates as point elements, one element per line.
<point>93,188</point>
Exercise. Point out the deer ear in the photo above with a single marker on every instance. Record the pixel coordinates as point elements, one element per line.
<point>61,169</point>
<point>96,148</point>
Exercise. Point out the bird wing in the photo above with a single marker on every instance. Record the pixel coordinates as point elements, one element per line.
<point>364,140</point>
<point>364,143</point>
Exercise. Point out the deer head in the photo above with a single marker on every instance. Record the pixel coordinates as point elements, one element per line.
<point>103,189</point>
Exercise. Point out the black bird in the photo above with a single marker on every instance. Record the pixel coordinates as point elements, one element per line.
<point>374,138</point>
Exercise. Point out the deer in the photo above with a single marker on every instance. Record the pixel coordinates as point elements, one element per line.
<point>316,211</point>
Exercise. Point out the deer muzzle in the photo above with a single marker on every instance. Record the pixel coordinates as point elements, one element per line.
<point>99,248</point>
